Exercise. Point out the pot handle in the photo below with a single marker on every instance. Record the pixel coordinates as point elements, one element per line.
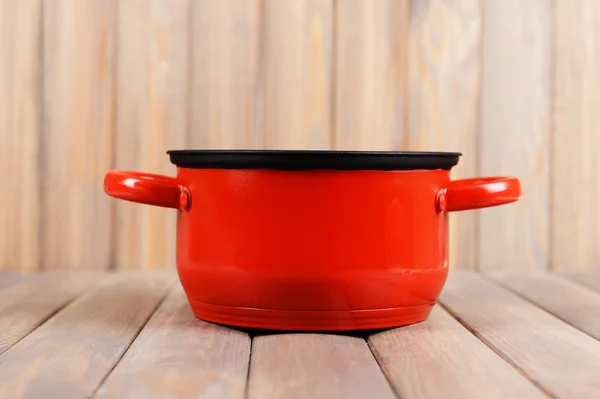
<point>147,188</point>
<point>480,192</point>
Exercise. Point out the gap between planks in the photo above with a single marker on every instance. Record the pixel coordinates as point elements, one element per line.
<point>91,335</point>
<point>458,364</point>
<point>575,304</point>
<point>560,359</point>
<point>29,303</point>
<point>179,355</point>
<point>386,346</point>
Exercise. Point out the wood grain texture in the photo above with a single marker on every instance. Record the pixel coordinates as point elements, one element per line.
<point>316,366</point>
<point>578,306</point>
<point>78,128</point>
<point>8,279</point>
<point>296,74</point>
<point>20,114</point>
<point>70,354</point>
<point>225,48</point>
<point>444,84</point>
<point>371,69</point>
<point>576,182</point>
<point>152,117</point>
<point>457,364</point>
<point>556,356</point>
<point>178,355</point>
<point>24,306</point>
<point>513,85</point>
<point>516,129</point>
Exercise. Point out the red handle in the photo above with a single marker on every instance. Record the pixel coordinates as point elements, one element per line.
<point>481,192</point>
<point>147,188</point>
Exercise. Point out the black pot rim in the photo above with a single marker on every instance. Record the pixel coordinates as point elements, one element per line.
<point>313,159</point>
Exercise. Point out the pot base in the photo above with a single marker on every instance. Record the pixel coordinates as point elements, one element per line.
<point>314,320</point>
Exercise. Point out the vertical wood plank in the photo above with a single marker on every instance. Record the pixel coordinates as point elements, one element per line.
<point>20,113</point>
<point>78,130</point>
<point>314,365</point>
<point>225,52</point>
<point>576,184</point>
<point>177,355</point>
<point>24,306</point>
<point>152,97</point>
<point>71,353</point>
<point>577,305</point>
<point>557,357</point>
<point>296,73</point>
<point>370,74</point>
<point>459,366</point>
<point>516,129</point>
<point>444,92</point>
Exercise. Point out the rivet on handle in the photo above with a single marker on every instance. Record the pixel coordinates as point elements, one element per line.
<point>440,201</point>
<point>185,202</point>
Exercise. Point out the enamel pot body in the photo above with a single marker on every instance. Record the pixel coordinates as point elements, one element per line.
<point>312,249</point>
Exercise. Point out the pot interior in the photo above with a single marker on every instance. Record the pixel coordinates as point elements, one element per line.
<point>313,159</point>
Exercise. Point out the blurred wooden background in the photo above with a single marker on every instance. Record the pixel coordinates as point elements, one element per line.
<point>90,85</point>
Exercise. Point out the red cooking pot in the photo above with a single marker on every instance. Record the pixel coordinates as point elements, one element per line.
<point>312,240</point>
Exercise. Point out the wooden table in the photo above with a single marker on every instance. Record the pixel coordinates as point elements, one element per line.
<point>74,334</point>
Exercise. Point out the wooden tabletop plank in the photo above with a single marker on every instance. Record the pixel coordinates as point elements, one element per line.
<point>457,364</point>
<point>589,278</point>
<point>28,303</point>
<point>68,356</point>
<point>571,302</point>
<point>8,278</point>
<point>314,366</point>
<point>556,356</point>
<point>178,355</point>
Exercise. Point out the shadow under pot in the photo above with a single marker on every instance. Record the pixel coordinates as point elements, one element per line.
<point>312,240</point>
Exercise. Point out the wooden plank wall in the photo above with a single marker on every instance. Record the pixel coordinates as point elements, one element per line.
<point>90,85</point>
<point>516,129</point>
